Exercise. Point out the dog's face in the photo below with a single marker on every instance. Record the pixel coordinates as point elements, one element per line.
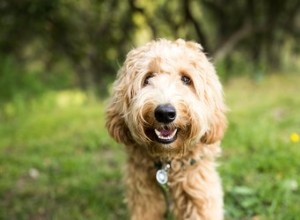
<point>166,98</point>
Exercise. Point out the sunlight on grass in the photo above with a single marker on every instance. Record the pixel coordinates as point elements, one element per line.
<point>71,98</point>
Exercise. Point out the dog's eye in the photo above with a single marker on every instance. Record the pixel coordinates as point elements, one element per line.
<point>186,80</point>
<point>146,81</point>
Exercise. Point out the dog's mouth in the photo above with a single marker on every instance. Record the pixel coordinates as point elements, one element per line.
<point>164,135</point>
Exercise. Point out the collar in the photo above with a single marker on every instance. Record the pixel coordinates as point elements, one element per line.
<point>160,164</point>
<point>163,168</point>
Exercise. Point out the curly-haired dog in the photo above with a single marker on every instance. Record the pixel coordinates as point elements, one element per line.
<point>167,109</point>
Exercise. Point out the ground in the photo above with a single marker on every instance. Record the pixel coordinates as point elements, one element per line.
<point>57,161</point>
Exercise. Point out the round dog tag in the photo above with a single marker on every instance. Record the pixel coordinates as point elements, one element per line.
<point>162,177</point>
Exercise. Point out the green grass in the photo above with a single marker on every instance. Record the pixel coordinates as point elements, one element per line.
<point>260,165</point>
<point>57,161</point>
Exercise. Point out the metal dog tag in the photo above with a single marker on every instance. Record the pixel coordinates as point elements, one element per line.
<point>162,176</point>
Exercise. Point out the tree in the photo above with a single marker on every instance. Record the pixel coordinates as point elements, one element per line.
<point>88,35</point>
<point>93,36</point>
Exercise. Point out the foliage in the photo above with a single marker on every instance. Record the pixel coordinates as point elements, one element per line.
<point>16,82</point>
<point>86,35</point>
<point>57,161</point>
<point>93,37</point>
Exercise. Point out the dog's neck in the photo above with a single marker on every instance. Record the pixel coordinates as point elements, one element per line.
<point>158,164</point>
<point>191,157</point>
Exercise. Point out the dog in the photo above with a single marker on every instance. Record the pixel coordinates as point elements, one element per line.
<point>167,108</point>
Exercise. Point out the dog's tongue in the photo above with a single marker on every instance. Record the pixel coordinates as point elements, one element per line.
<point>165,132</point>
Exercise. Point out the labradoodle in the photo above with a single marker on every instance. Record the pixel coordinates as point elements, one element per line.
<point>167,109</point>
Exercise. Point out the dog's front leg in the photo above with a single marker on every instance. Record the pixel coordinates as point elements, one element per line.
<point>144,197</point>
<point>198,197</point>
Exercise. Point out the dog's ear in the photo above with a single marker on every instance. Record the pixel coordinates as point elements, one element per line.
<point>115,122</point>
<point>216,128</point>
<point>116,125</point>
<point>211,93</point>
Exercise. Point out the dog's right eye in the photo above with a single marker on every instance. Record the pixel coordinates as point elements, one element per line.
<point>186,80</point>
<point>146,81</point>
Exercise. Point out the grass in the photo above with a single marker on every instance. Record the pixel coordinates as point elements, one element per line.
<point>260,164</point>
<point>57,161</point>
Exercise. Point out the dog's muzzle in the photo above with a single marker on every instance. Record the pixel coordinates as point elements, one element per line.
<point>165,114</point>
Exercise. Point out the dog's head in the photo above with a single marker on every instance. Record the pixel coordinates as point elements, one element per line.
<point>166,98</point>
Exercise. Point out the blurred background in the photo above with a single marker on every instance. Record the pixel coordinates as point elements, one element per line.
<point>57,62</point>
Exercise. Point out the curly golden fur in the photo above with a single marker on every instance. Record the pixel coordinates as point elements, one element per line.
<point>167,105</point>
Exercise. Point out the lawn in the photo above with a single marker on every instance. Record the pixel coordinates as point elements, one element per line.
<point>57,161</point>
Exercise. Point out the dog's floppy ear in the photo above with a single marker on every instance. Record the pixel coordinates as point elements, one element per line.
<point>211,93</point>
<point>116,125</point>
<point>216,129</point>
<point>213,96</point>
<point>115,122</point>
<point>122,94</point>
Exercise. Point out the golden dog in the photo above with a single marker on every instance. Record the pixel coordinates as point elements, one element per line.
<point>167,108</point>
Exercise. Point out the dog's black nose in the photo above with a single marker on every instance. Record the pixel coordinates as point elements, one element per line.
<point>165,113</point>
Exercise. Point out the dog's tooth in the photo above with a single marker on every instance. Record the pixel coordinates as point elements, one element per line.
<point>174,132</point>
<point>157,133</point>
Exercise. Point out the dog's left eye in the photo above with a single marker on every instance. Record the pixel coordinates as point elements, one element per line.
<point>146,81</point>
<point>186,80</point>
